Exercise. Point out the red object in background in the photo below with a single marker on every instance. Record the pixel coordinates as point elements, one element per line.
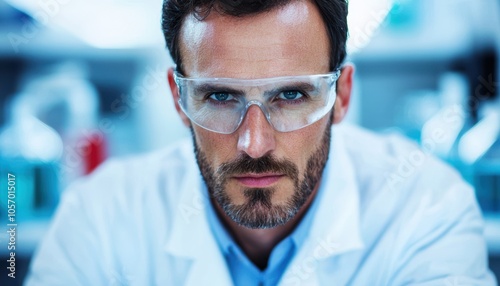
<point>95,151</point>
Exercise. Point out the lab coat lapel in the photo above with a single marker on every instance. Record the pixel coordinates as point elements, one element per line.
<point>192,240</point>
<point>337,228</point>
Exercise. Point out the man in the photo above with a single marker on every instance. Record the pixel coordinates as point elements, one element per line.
<point>273,195</point>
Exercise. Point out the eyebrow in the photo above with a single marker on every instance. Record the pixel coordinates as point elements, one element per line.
<point>209,88</point>
<point>300,86</point>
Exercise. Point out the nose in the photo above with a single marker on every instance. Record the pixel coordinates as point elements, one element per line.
<point>256,135</point>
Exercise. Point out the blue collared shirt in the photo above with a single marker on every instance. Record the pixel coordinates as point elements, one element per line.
<point>243,271</point>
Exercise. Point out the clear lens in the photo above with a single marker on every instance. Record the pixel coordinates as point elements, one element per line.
<point>289,103</point>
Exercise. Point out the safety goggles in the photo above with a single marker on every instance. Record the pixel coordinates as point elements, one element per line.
<point>289,103</point>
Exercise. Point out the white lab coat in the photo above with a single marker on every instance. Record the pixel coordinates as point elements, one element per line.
<point>389,215</point>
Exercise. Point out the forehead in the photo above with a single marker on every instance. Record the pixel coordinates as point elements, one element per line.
<point>289,40</point>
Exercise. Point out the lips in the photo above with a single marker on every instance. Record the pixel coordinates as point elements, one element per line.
<point>258,180</point>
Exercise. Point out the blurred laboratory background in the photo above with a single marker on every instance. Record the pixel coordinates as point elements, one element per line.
<point>85,80</point>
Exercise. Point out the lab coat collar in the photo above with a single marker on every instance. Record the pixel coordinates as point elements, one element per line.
<point>191,240</point>
<point>338,212</point>
<point>335,231</point>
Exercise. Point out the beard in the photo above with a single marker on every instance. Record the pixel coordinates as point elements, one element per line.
<point>259,211</point>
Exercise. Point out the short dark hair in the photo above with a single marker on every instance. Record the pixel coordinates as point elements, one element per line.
<point>333,12</point>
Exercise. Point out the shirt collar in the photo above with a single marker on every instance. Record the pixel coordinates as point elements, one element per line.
<point>337,224</point>
<point>225,240</point>
<point>222,236</point>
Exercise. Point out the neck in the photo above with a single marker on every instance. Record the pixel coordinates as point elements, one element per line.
<point>257,244</point>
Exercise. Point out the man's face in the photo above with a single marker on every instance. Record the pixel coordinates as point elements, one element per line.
<point>260,177</point>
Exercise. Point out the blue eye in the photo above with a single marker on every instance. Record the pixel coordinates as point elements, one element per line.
<point>290,95</point>
<point>221,96</point>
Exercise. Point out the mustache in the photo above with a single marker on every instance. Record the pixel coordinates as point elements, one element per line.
<point>268,163</point>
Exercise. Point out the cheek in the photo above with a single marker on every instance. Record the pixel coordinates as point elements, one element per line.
<point>299,145</point>
<point>218,148</point>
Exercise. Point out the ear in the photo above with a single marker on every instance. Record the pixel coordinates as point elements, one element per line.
<point>344,88</point>
<point>175,96</point>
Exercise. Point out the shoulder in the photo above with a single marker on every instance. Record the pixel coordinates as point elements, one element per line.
<point>399,175</point>
<point>394,161</point>
<point>122,213</point>
<point>125,183</point>
<point>382,151</point>
<point>417,206</point>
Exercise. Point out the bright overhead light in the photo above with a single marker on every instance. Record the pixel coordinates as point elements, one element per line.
<point>364,20</point>
<point>131,24</point>
<point>101,24</point>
